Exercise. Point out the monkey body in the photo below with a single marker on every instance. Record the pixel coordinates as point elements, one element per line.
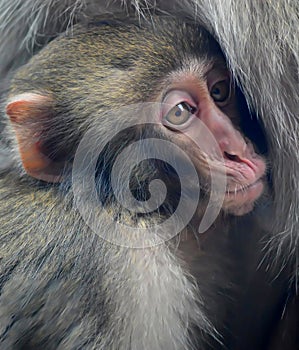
<point>65,296</point>
<point>260,41</point>
<point>249,33</point>
<point>73,299</point>
<point>63,286</point>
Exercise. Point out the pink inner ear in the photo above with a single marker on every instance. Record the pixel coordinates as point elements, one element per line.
<point>27,105</point>
<point>24,111</point>
<point>15,110</point>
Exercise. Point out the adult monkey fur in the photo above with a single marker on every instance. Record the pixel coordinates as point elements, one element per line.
<point>261,42</point>
<point>63,286</point>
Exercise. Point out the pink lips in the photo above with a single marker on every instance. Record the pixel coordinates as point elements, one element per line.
<point>246,188</point>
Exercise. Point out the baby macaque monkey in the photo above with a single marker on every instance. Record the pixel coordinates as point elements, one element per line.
<point>62,285</point>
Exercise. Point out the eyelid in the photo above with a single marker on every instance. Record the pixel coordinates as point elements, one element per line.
<point>215,76</point>
<point>175,97</point>
<point>220,78</point>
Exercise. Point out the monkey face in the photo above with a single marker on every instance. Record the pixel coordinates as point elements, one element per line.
<point>189,80</point>
<point>205,93</point>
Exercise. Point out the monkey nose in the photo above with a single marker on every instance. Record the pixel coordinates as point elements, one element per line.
<point>233,157</point>
<point>230,141</point>
<point>232,145</point>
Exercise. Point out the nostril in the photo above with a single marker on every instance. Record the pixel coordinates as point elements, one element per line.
<point>232,157</point>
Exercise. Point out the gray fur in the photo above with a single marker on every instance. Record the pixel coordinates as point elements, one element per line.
<point>261,42</point>
<point>5,159</point>
<point>62,286</point>
<point>106,303</point>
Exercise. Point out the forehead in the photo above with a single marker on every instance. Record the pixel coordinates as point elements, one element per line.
<point>121,56</point>
<point>175,37</point>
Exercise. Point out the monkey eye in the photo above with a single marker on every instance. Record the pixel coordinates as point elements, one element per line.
<point>179,114</point>
<point>220,91</point>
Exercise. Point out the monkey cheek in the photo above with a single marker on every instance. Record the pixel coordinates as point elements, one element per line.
<point>242,201</point>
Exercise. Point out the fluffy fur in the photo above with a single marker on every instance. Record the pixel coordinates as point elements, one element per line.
<point>261,41</point>
<point>63,287</point>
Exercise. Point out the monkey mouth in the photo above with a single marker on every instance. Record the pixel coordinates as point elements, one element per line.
<point>244,188</point>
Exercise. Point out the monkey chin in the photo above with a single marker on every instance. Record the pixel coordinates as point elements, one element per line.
<point>241,202</point>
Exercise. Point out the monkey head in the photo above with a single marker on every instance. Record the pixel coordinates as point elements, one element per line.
<point>76,82</point>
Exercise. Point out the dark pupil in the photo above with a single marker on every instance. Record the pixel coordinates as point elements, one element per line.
<point>182,109</point>
<point>178,113</point>
<point>220,92</point>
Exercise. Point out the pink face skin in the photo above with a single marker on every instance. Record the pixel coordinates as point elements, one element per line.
<point>210,97</point>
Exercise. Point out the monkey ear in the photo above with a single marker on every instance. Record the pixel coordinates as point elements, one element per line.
<point>29,114</point>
